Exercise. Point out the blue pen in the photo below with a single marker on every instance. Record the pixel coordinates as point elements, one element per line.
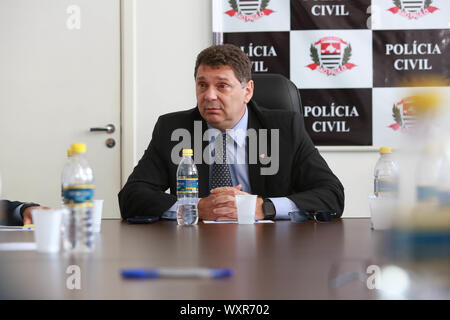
<point>156,273</point>
<point>256,220</point>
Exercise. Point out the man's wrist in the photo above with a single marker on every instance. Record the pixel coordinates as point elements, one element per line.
<point>201,209</point>
<point>259,213</point>
<point>27,205</point>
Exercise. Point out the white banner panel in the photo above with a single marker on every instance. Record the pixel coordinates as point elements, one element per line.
<point>393,112</point>
<point>256,15</point>
<point>410,14</point>
<point>331,58</point>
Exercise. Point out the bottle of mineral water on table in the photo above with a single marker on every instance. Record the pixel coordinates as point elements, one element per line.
<point>187,189</point>
<point>66,167</point>
<point>386,174</point>
<point>78,186</point>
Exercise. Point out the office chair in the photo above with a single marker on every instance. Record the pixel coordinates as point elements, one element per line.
<point>275,91</point>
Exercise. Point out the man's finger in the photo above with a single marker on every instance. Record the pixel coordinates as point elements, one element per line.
<point>224,210</point>
<point>228,217</point>
<point>230,191</point>
<point>223,199</point>
<point>226,192</point>
<point>220,189</point>
<point>241,193</point>
<point>225,189</point>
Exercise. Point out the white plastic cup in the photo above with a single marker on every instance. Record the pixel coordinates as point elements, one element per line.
<point>97,215</point>
<point>246,205</point>
<point>381,210</point>
<point>47,228</point>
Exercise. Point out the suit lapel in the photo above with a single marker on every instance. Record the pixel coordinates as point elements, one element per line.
<point>203,167</point>
<point>203,174</point>
<point>254,170</point>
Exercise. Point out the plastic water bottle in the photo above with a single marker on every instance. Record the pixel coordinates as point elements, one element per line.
<point>187,190</point>
<point>77,180</point>
<point>428,174</point>
<point>386,174</point>
<point>443,183</point>
<point>65,217</point>
<point>66,167</point>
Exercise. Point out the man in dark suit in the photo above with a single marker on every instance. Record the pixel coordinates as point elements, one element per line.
<point>293,177</point>
<point>16,213</point>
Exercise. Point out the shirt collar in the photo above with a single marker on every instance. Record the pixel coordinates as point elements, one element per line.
<point>237,133</point>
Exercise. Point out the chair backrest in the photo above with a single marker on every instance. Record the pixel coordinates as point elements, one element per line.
<point>275,91</point>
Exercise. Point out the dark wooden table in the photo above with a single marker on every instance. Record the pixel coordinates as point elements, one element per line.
<point>283,260</point>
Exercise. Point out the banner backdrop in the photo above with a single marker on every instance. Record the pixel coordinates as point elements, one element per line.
<point>350,59</point>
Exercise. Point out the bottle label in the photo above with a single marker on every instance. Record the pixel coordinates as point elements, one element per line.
<point>426,193</point>
<point>78,194</point>
<point>187,185</point>
<point>444,198</point>
<point>385,186</point>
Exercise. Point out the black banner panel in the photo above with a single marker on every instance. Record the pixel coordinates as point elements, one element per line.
<point>338,116</point>
<point>399,55</point>
<point>356,63</point>
<point>326,14</point>
<point>268,51</point>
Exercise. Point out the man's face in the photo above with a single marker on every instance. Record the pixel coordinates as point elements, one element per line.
<point>220,97</point>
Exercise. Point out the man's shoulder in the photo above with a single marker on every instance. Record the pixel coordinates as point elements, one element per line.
<point>178,120</point>
<point>180,115</point>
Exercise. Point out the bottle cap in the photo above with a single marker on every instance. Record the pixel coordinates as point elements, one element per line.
<point>384,150</point>
<point>78,148</point>
<point>69,152</point>
<point>187,152</point>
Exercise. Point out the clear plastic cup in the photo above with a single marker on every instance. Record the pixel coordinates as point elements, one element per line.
<point>47,229</point>
<point>246,205</point>
<point>381,210</point>
<point>97,215</point>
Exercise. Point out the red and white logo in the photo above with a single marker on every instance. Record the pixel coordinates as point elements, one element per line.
<point>249,10</point>
<point>404,114</point>
<point>412,9</point>
<point>331,55</point>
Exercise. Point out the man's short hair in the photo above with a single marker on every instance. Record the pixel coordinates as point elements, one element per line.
<point>226,55</point>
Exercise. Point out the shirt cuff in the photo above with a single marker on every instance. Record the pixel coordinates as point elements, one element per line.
<point>283,206</point>
<point>17,217</point>
<point>171,213</point>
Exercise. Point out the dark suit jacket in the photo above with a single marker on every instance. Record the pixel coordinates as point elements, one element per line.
<point>303,175</point>
<point>8,208</point>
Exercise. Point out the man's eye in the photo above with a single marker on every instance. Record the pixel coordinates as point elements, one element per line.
<point>202,85</point>
<point>223,86</point>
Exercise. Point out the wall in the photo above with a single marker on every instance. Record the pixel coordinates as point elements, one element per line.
<point>169,36</point>
<point>355,170</point>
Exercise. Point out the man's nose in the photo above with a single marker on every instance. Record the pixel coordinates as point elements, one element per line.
<point>210,93</point>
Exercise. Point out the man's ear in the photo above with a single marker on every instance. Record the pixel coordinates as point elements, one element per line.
<point>249,87</point>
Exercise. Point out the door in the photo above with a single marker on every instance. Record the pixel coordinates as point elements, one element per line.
<point>59,77</point>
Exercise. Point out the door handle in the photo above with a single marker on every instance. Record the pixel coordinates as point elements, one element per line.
<point>110,128</point>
